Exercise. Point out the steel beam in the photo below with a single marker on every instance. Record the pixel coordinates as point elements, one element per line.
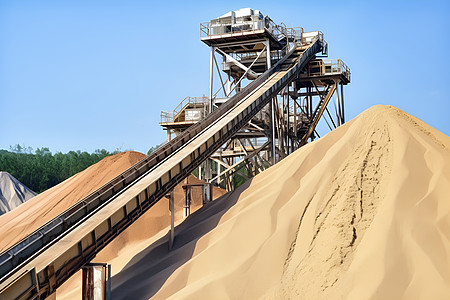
<point>211,77</point>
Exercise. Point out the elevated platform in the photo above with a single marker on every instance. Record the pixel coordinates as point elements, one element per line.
<point>190,111</point>
<point>326,71</point>
<point>244,25</point>
<point>228,41</point>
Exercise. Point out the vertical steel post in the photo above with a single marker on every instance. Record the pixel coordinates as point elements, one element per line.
<point>207,192</point>
<point>281,122</point>
<point>294,126</point>
<point>219,169</point>
<point>187,198</point>
<point>94,282</point>
<point>288,148</point>
<point>272,122</point>
<point>207,163</point>
<point>211,76</point>
<point>108,284</point>
<point>342,104</point>
<point>172,219</point>
<point>208,169</point>
<point>269,60</point>
<point>338,107</point>
<point>229,86</point>
<point>272,103</point>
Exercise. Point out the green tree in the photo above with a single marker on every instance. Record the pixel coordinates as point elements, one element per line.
<point>43,170</point>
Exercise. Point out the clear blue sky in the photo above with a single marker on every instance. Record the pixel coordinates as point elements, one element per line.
<point>83,75</point>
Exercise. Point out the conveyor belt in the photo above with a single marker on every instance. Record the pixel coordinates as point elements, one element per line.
<point>36,266</point>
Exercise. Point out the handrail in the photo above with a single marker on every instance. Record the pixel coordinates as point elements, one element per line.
<point>323,67</point>
<point>169,116</point>
<point>215,27</point>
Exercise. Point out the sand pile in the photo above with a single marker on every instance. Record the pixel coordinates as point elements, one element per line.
<point>12,193</point>
<point>363,213</point>
<point>44,207</point>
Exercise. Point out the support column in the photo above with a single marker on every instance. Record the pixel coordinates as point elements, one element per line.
<point>288,149</point>
<point>108,284</point>
<point>294,125</point>
<point>342,104</point>
<point>95,281</point>
<point>208,170</point>
<point>269,61</point>
<point>172,219</point>
<point>219,169</point>
<point>211,76</point>
<point>294,116</point>
<point>272,123</point>
<point>338,107</point>
<point>207,192</point>
<point>187,198</point>
<point>272,108</point>
<point>229,85</point>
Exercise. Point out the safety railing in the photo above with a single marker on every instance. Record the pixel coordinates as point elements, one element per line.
<point>323,67</point>
<point>294,34</point>
<point>198,102</point>
<point>230,26</point>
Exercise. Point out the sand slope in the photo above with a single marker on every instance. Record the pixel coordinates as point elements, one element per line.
<point>34,213</point>
<point>12,193</point>
<point>363,213</point>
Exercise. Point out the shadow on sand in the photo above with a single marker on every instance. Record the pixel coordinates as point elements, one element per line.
<point>148,270</point>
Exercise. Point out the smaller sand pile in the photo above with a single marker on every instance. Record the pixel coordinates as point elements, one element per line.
<point>33,214</point>
<point>12,193</point>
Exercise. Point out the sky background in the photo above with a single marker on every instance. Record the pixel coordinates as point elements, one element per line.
<point>86,75</point>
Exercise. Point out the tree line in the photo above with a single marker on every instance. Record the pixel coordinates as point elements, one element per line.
<point>40,169</point>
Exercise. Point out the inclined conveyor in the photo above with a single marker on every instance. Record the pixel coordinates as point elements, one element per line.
<point>36,266</point>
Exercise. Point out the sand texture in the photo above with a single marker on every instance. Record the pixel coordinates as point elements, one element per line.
<point>12,193</point>
<point>362,213</point>
<point>34,213</point>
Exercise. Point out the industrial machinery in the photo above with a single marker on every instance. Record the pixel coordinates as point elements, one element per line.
<point>249,43</point>
<point>275,92</point>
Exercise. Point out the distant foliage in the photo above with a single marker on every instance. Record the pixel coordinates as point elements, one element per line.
<point>42,170</point>
<point>238,180</point>
<point>152,149</point>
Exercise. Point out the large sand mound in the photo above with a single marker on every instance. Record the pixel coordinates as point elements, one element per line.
<point>12,193</point>
<point>363,213</point>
